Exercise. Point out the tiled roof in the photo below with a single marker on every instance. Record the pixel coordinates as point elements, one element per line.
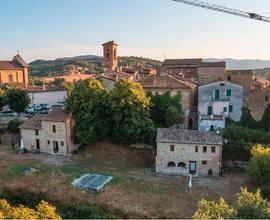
<point>58,115</point>
<point>113,75</point>
<point>171,135</point>
<point>9,65</point>
<point>165,81</point>
<point>32,123</point>
<point>239,72</point>
<point>196,61</point>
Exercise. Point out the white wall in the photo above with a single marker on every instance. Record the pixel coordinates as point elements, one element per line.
<point>49,97</point>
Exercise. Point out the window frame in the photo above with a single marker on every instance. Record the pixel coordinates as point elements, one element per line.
<point>204,149</point>
<point>54,128</point>
<point>213,149</point>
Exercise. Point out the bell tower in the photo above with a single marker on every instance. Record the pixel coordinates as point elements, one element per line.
<point>110,56</point>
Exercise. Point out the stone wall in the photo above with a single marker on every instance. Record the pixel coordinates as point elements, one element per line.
<point>185,153</point>
<point>208,75</point>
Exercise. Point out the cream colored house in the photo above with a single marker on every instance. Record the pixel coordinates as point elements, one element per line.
<point>181,152</point>
<point>51,133</point>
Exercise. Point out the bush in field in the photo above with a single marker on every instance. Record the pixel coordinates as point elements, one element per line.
<point>13,125</point>
<point>247,206</point>
<point>43,211</point>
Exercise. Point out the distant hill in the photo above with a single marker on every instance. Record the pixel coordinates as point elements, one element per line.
<point>237,64</point>
<point>62,66</point>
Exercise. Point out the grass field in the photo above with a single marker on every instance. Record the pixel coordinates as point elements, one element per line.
<point>135,191</point>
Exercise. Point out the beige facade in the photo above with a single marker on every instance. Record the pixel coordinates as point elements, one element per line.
<point>15,71</point>
<point>180,152</point>
<point>52,134</point>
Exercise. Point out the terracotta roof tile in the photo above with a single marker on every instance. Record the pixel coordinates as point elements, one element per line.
<point>5,65</point>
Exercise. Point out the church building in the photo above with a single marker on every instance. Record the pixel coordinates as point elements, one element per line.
<point>15,71</point>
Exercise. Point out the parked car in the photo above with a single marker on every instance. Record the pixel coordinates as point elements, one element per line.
<point>8,113</point>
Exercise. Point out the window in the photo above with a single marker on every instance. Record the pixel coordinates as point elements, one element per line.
<point>172,147</point>
<point>37,144</point>
<point>171,164</point>
<point>222,84</point>
<point>230,108</point>
<point>196,148</point>
<point>225,109</point>
<point>204,149</point>
<point>229,92</point>
<point>212,128</point>
<point>266,99</point>
<point>36,132</point>
<point>204,162</point>
<point>229,78</point>
<point>10,78</point>
<point>62,143</point>
<point>48,141</point>
<point>210,110</point>
<point>213,149</point>
<point>181,164</point>
<point>54,129</point>
<point>217,94</point>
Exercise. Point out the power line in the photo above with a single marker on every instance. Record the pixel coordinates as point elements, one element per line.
<point>250,15</point>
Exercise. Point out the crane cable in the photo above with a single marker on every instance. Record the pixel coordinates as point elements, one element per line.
<point>197,3</point>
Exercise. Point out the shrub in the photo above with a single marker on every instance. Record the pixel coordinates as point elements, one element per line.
<point>13,125</point>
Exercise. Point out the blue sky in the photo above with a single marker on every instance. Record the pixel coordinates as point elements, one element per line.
<point>47,29</point>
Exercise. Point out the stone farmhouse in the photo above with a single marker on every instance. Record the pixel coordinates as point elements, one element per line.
<point>181,152</point>
<point>161,83</point>
<point>51,133</point>
<point>14,71</point>
<point>217,101</point>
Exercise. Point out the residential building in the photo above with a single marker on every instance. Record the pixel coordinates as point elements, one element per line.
<point>161,83</point>
<point>15,71</point>
<point>181,152</point>
<point>50,95</point>
<point>51,133</point>
<point>195,70</point>
<point>216,101</point>
<point>240,77</point>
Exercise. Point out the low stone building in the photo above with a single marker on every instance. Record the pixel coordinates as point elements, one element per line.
<point>51,133</point>
<point>181,152</point>
<point>209,72</point>
<point>216,101</point>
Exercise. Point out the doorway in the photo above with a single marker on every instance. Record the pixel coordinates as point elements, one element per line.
<point>192,167</point>
<point>37,145</point>
<point>55,147</point>
<point>190,123</point>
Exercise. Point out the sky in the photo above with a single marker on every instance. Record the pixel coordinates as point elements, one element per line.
<point>158,29</point>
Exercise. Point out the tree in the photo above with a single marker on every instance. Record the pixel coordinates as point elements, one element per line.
<point>265,121</point>
<point>43,211</point>
<point>131,122</point>
<point>259,166</point>
<point>13,125</point>
<point>88,102</point>
<point>171,116</point>
<point>2,99</point>
<point>17,99</point>
<point>159,105</point>
<point>247,206</point>
<point>247,120</point>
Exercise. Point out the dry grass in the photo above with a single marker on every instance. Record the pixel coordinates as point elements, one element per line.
<point>135,190</point>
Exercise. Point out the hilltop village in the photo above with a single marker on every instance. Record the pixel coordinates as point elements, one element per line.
<point>186,119</point>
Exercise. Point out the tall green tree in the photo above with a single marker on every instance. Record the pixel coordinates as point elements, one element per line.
<point>159,105</point>
<point>131,122</point>
<point>17,99</point>
<point>247,206</point>
<point>247,120</point>
<point>88,102</point>
<point>265,121</point>
<point>171,116</point>
<point>2,99</point>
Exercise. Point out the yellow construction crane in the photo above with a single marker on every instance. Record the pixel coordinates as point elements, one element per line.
<point>251,15</point>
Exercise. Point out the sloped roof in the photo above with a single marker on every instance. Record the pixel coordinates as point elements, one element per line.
<point>116,74</point>
<point>213,64</point>
<point>9,65</point>
<point>165,81</point>
<point>171,135</point>
<point>20,60</point>
<point>32,123</point>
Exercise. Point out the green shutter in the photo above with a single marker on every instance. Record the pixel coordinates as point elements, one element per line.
<point>210,110</point>
<point>225,109</point>
<point>230,108</point>
<point>217,93</point>
<point>229,92</point>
